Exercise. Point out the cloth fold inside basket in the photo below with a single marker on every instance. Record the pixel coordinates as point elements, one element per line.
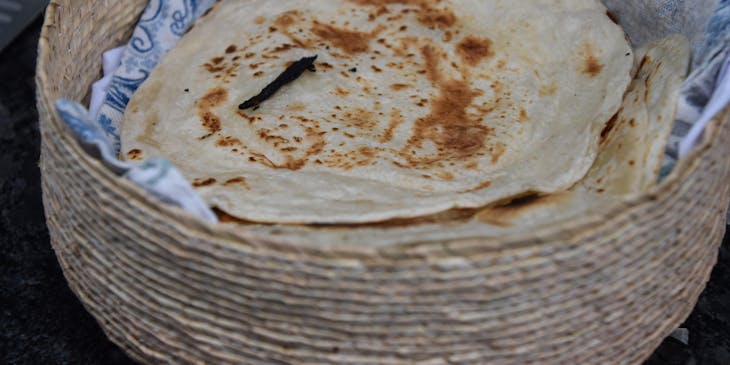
<point>162,24</point>
<point>707,90</point>
<point>157,176</point>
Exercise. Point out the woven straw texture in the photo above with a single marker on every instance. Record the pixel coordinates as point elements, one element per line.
<point>168,288</point>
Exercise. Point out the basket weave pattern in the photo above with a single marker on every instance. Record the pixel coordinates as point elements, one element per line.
<point>168,288</point>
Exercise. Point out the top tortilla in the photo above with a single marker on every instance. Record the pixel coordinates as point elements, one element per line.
<point>416,107</point>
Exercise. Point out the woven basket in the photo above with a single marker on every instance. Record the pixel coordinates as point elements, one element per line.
<point>169,288</point>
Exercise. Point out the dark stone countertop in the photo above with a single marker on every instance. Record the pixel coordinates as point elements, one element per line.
<point>42,322</point>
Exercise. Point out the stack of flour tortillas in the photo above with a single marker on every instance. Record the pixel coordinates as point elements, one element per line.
<point>418,119</point>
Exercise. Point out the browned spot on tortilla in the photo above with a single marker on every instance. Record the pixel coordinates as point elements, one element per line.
<point>348,40</point>
<point>649,81</point>
<point>376,69</point>
<point>203,182</point>
<point>436,18</point>
<point>644,60</point>
<point>431,58</point>
<point>481,186</point>
<point>348,159</point>
<point>447,37</point>
<point>549,90</point>
<point>297,163</point>
<point>222,69</point>
<point>238,181</point>
<point>456,134</point>
<point>592,66</point>
<point>474,50</point>
<point>399,87</point>
<point>360,118</point>
<point>404,46</point>
<point>445,175</point>
<point>497,151</point>
<point>632,162</point>
<point>523,115</point>
<point>262,159</point>
<point>606,132</point>
<point>428,14</point>
<point>283,48</point>
<point>341,92</point>
<point>273,139</point>
<point>226,218</point>
<point>503,214</point>
<point>228,141</point>
<point>314,139</point>
<point>259,20</point>
<point>632,122</point>
<point>382,10</point>
<point>213,68</point>
<point>286,21</point>
<point>134,154</point>
<point>396,119</point>
<point>212,99</point>
<point>210,121</point>
<point>367,154</point>
<point>150,123</point>
<point>215,97</point>
<point>251,119</point>
<point>296,107</point>
<point>612,16</point>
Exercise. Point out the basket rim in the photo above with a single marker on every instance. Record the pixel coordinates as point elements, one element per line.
<point>233,237</point>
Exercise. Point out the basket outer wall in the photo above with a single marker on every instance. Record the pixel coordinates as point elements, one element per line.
<point>169,288</point>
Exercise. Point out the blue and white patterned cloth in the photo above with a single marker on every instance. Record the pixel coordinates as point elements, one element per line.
<point>161,26</point>
<point>157,176</point>
<point>707,90</point>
